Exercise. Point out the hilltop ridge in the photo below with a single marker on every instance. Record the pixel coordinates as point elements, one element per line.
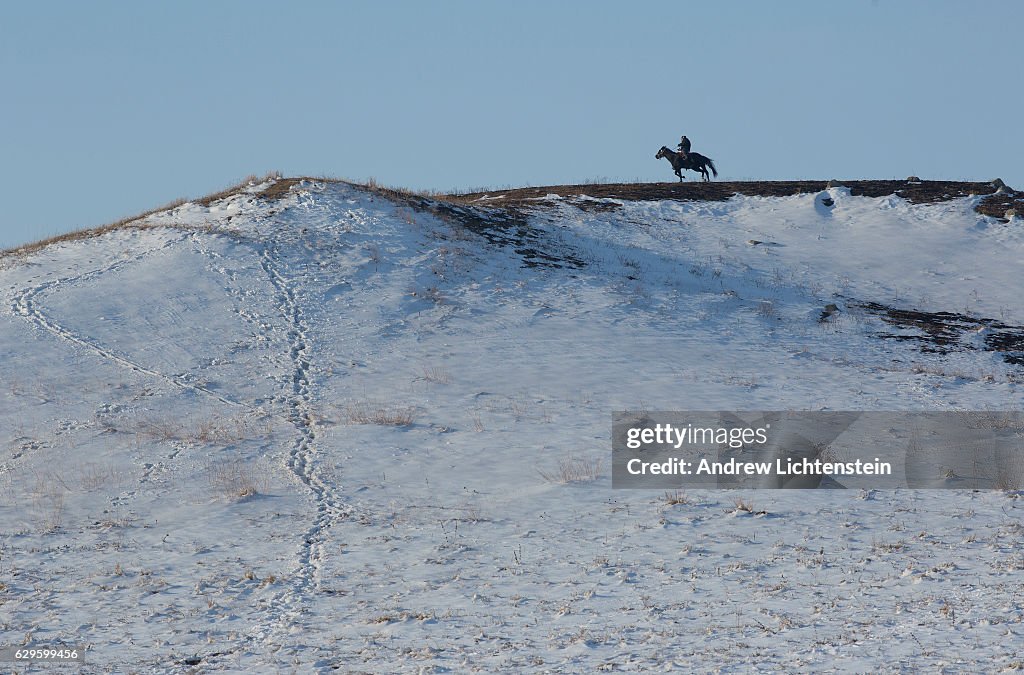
<point>998,201</point>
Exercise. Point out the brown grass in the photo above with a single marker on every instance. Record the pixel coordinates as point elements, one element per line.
<point>236,478</point>
<point>573,469</point>
<point>89,232</point>
<point>248,181</point>
<point>747,506</point>
<point>133,222</point>
<point>217,431</point>
<point>279,188</point>
<point>384,414</point>
<point>437,374</point>
<point>676,498</point>
<point>916,192</point>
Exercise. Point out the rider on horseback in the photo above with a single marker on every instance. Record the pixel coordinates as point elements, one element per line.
<point>684,159</point>
<point>684,146</point>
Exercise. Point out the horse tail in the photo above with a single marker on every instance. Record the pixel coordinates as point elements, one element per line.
<point>713,169</point>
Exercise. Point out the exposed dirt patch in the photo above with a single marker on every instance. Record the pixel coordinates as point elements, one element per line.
<point>209,199</point>
<point>279,188</point>
<point>943,332</point>
<point>595,206</point>
<point>504,225</point>
<point>996,205</point>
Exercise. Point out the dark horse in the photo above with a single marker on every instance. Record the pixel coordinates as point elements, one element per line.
<point>694,161</point>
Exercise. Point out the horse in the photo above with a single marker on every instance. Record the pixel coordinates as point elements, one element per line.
<point>694,161</point>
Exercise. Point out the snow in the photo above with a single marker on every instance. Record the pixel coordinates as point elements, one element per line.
<point>199,462</point>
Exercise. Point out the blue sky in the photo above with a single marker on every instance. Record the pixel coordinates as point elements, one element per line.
<point>110,108</point>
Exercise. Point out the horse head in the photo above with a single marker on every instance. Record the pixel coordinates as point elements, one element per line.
<point>662,153</point>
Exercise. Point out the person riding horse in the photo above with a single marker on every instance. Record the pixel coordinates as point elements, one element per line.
<point>684,159</point>
<point>684,146</point>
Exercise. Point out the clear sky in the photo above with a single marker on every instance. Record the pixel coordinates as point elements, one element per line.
<point>110,108</point>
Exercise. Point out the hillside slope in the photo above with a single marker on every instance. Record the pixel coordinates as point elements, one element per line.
<point>314,426</point>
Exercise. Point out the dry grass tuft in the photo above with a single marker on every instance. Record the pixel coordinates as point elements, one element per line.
<point>48,504</point>
<point>383,414</point>
<point>222,431</point>
<point>676,498</point>
<point>93,476</point>
<point>236,479</point>
<point>572,469</point>
<point>747,506</point>
<point>437,375</point>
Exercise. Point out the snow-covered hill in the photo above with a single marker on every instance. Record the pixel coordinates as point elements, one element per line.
<point>320,427</point>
